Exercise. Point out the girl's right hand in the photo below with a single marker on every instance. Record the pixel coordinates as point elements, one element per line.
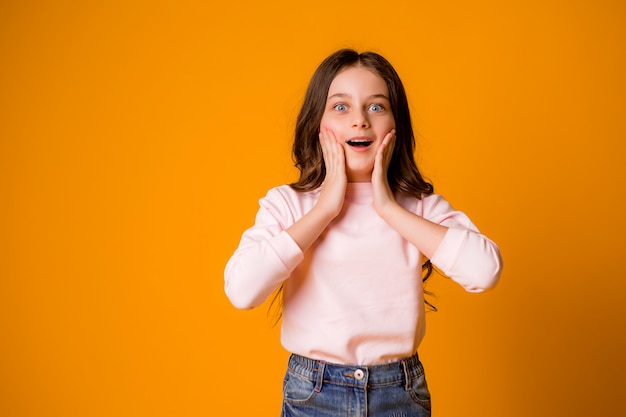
<point>336,181</point>
<point>309,227</point>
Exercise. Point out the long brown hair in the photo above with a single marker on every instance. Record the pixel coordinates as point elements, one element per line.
<point>403,174</point>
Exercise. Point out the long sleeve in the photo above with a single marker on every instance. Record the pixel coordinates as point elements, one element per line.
<point>266,255</point>
<point>355,295</point>
<point>465,255</point>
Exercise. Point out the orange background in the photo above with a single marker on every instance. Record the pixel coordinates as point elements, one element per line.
<point>136,138</point>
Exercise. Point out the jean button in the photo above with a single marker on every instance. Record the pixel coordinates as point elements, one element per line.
<point>359,374</point>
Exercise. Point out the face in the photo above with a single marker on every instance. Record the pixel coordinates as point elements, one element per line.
<point>359,114</point>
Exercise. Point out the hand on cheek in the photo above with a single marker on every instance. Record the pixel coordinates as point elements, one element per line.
<point>383,195</point>
<point>336,181</point>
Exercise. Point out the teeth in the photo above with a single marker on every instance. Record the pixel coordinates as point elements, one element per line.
<point>359,142</point>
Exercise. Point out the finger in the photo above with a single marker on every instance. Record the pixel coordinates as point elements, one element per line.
<point>389,137</point>
<point>384,153</point>
<point>333,152</point>
<point>389,144</point>
<point>387,140</point>
<point>338,146</point>
<point>327,145</point>
<point>331,139</point>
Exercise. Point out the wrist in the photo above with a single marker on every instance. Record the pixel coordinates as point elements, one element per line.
<point>324,214</point>
<point>388,210</point>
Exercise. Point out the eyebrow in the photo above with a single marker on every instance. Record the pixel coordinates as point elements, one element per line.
<point>342,95</point>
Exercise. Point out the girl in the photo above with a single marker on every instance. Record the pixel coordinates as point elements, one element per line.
<point>345,245</point>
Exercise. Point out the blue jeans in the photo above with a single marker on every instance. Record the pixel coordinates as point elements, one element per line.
<point>317,388</point>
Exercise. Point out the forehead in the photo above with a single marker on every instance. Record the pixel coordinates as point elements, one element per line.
<point>358,80</point>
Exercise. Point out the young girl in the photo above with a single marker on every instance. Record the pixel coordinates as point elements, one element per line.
<point>346,244</point>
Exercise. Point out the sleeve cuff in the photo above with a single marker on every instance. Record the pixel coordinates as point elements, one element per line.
<point>446,254</point>
<point>287,250</point>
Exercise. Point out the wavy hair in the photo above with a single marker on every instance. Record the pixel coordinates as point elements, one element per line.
<point>403,174</point>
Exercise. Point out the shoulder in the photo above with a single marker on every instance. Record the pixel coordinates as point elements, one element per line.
<point>286,205</point>
<point>427,204</point>
<point>286,192</point>
<point>438,210</point>
<point>435,201</point>
<point>286,196</point>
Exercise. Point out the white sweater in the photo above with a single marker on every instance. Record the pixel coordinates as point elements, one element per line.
<point>355,296</point>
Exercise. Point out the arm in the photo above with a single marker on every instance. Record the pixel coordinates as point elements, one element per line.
<point>446,236</point>
<point>306,230</point>
<point>266,254</point>
<point>465,255</point>
<point>423,234</point>
<point>270,250</point>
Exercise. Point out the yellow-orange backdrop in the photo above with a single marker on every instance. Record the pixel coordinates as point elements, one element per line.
<point>137,136</point>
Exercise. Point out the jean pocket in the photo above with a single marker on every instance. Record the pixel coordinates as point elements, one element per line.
<point>419,389</point>
<point>298,390</point>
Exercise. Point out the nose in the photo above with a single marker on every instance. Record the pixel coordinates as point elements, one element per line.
<point>360,119</point>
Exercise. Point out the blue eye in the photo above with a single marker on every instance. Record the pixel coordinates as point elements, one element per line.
<point>376,108</point>
<point>340,107</point>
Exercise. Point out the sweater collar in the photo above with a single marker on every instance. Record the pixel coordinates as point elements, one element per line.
<point>360,192</point>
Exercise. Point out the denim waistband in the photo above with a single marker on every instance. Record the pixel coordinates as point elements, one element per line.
<point>401,371</point>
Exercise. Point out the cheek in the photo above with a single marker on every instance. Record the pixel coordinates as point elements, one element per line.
<point>385,124</point>
<point>325,123</point>
<point>328,127</point>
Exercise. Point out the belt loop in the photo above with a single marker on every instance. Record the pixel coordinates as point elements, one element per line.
<point>321,365</point>
<point>407,375</point>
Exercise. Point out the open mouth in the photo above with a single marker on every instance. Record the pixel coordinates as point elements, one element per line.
<point>359,143</point>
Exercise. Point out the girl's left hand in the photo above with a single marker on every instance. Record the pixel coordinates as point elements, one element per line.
<point>383,196</point>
